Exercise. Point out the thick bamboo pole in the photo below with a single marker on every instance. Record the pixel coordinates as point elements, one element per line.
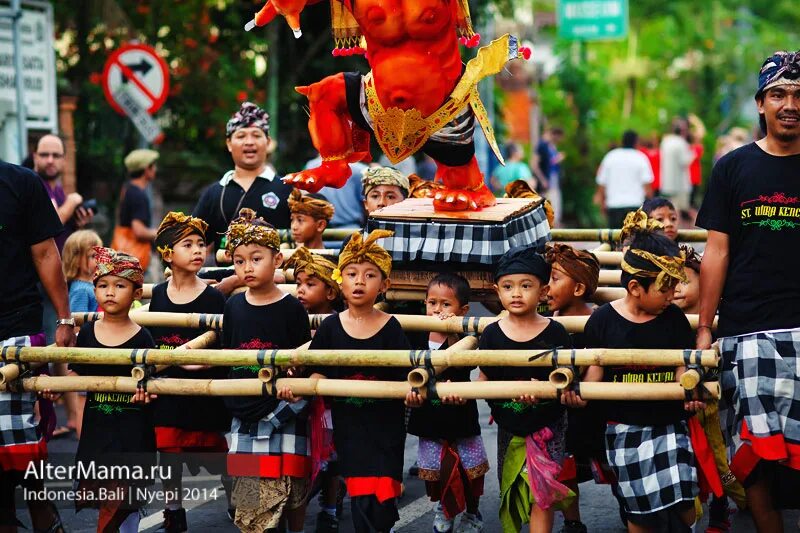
<point>456,324</point>
<point>561,378</point>
<point>358,388</point>
<point>224,258</point>
<point>690,379</point>
<point>383,358</point>
<point>609,277</point>
<point>267,373</point>
<point>609,235</point>
<point>9,373</point>
<point>202,341</point>
<point>420,376</point>
<point>609,258</point>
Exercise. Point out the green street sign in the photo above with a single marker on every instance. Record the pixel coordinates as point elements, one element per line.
<point>592,20</point>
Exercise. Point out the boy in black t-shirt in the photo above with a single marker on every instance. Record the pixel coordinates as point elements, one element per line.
<point>188,429</point>
<point>310,215</point>
<point>647,442</point>
<point>528,427</point>
<point>270,452</point>
<point>452,459</point>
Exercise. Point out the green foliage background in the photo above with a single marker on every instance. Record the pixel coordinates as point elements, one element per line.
<point>698,56</point>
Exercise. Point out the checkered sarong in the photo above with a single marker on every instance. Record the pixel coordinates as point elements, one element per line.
<point>464,242</point>
<point>20,438</point>
<point>654,465</point>
<point>761,380</point>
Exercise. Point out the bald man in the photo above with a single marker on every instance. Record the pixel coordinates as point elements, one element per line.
<point>48,162</point>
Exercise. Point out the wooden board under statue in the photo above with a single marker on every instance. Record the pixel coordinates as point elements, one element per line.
<point>469,243</point>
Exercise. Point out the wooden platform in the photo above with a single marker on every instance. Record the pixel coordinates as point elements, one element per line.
<point>479,281</point>
<point>421,209</point>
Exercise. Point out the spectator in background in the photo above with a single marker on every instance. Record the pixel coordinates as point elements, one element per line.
<point>676,156</point>
<point>650,148</point>
<point>549,161</point>
<point>697,132</point>
<point>134,233</point>
<point>515,169</point>
<point>48,162</point>
<point>624,180</point>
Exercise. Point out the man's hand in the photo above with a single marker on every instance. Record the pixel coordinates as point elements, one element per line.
<point>74,198</point>
<point>703,339</point>
<point>82,217</point>
<point>413,399</point>
<point>65,336</point>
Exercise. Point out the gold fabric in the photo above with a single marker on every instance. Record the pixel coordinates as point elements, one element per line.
<point>579,265</point>
<point>360,250</point>
<point>249,229</point>
<point>420,188</point>
<point>669,268</point>
<point>522,189</point>
<point>636,222</point>
<point>314,265</point>
<point>110,262</point>
<point>175,227</point>
<point>260,502</point>
<point>402,132</point>
<point>305,204</point>
<point>373,177</point>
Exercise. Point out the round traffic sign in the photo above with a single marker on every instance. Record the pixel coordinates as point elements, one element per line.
<point>140,71</point>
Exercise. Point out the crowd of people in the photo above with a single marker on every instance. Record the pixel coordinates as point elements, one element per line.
<point>272,451</point>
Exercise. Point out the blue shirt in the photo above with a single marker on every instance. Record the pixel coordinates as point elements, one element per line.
<point>81,297</point>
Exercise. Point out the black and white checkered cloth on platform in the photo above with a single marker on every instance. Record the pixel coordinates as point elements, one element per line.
<point>654,465</point>
<point>761,376</point>
<point>17,425</point>
<point>283,431</point>
<point>462,242</point>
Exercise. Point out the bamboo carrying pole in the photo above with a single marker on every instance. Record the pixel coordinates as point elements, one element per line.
<point>382,358</point>
<point>609,258</point>
<point>9,373</point>
<point>609,277</point>
<point>420,376</point>
<point>203,341</point>
<point>456,324</point>
<point>223,257</point>
<point>267,373</point>
<point>358,388</point>
<point>561,378</point>
<point>690,379</point>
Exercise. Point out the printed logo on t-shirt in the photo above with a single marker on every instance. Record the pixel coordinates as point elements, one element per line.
<point>775,212</point>
<point>171,342</point>
<point>270,200</point>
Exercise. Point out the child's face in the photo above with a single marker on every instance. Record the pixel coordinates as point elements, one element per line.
<point>89,262</point>
<point>115,294</point>
<point>189,254</point>
<point>563,289</point>
<point>669,218</point>
<point>314,294</point>
<point>382,196</point>
<point>520,293</point>
<point>306,228</point>
<point>255,264</point>
<point>442,300</point>
<point>652,301</point>
<point>361,284</point>
<point>687,295</point>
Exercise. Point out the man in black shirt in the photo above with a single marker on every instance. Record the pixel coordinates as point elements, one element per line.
<point>28,225</point>
<point>752,214</point>
<point>252,183</point>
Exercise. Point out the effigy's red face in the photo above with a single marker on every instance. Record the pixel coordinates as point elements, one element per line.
<point>412,49</point>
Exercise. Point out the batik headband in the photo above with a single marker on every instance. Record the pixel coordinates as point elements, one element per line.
<point>375,177</point>
<point>579,265</point>
<point>360,250</point>
<point>113,263</point>
<point>314,265</point>
<point>305,204</point>
<point>248,116</point>
<point>782,68</point>
<point>249,229</point>
<point>174,228</point>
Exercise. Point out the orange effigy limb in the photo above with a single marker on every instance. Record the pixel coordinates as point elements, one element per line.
<point>289,9</point>
<point>412,49</point>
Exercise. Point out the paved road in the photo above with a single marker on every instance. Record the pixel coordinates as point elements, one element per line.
<point>598,508</point>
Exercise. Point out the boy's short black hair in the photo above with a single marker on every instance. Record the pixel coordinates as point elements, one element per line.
<point>453,281</point>
<point>651,204</point>
<point>655,243</point>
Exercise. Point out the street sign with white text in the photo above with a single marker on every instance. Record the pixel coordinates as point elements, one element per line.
<point>592,20</point>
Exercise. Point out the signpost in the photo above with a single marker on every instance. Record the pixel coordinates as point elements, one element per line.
<point>592,20</point>
<point>136,84</point>
<point>38,64</point>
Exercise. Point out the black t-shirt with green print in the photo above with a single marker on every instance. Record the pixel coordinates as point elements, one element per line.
<point>754,198</point>
<point>519,418</point>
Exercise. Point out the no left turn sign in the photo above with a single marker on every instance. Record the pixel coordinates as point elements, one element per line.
<point>139,71</point>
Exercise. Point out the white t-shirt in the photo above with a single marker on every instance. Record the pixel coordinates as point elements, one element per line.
<point>624,173</point>
<point>676,156</point>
